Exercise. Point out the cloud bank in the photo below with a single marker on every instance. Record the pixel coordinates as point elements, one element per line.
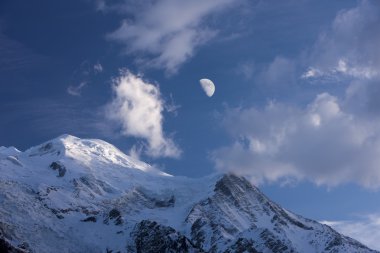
<point>167,32</point>
<point>137,107</point>
<point>331,140</point>
<point>323,142</point>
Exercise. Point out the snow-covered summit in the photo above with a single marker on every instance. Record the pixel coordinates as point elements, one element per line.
<point>88,151</point>
<point>85,195</point>
<point>9,151</point>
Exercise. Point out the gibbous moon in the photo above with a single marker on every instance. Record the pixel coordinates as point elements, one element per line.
<point>208,86</point>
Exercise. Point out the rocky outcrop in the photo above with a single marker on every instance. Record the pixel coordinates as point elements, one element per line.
<point>242,245</point>
<point>235,210</point>
<point>114,216</point>
<point>58,167</point>
<point>151,237</point>
<point>6,247</point>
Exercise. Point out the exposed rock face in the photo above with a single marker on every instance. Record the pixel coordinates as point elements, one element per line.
<point>115,216</point>
<point>242,245</point>
<point>59,167</point>
<point>237,207</point>
<point>90,219</point>
<point>151,237</point>
<point>6,247</point>
<point>97,199</point>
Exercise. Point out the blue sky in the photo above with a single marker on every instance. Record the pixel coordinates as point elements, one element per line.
<point>296,105</point>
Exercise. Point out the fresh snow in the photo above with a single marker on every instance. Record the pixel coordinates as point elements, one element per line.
<point>48,191</point>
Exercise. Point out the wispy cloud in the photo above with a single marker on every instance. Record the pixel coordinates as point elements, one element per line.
<point>349,49</point>
<point>280,73</point>
<point>365,229</point>
<point>76,90</point>
<point>98,68</point>
<point>246,69</point>
<point>166,33</point>
<point>83,76</point>
<point>171,106</point>
<point>137,106</point>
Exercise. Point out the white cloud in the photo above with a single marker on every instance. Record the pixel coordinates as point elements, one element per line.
<point>137,107</point>
<point>167,31</point>
<point>98,68</point>
<point>366,229</point>
<point>171,106</point>
<point>76,90</point>
<point>311,72</point>
<point>349,49</point>
<point>331,140</point>
<point>327,142</point>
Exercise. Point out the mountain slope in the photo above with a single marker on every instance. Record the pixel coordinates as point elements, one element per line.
<point>88,196</point>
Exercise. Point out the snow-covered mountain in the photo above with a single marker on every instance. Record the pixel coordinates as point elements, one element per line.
<point>76,195</point>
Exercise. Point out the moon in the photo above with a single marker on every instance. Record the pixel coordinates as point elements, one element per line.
<point>208,86</point>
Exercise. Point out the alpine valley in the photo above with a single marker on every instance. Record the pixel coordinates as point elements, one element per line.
<point>79,195</point>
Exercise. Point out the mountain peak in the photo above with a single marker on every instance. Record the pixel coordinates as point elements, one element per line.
<point>70,187</point>
<point>87,151</point>
<point>56,146</point>
<point>10,151</point>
